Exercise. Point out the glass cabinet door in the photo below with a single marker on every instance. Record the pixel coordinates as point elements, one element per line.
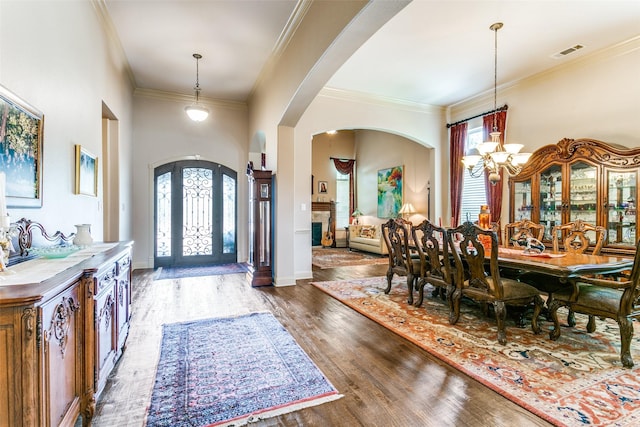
<point>621,209</point>
<point>524,203</point>
<point>583,192</point>
<point>550,198</point>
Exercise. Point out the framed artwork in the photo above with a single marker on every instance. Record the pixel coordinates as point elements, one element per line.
<point>390,192</point>
<point>86,172</point>
<point>21,127</point>
<point>322,187</point>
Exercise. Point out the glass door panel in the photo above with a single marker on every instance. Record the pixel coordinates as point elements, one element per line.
<point>197,212</point>
<point>551,198</point>
<point>523,200</point>
<point>621,209</point>
<point>583,192</point>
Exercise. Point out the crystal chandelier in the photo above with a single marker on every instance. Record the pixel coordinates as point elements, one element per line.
<point>493,154</point>
<point>197,112</point>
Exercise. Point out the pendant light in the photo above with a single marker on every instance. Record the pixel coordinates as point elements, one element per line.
<point>197,112</point>
<point>493,154</point>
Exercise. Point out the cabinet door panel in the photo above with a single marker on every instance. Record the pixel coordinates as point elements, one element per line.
<point>61,331</point>
<point>583,192</point>
<point>105,309</point>
<point>621,207</point>
<point>551,198</point>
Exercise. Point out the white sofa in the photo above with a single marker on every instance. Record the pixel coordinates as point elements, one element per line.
<point>367,238</point>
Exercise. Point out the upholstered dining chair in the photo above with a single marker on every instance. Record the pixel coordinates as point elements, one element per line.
<point>396,233</point>
<point>472,281</point>
<point>613,298</point>
<point>435,263</point>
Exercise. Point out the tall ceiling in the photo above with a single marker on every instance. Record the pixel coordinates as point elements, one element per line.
<point>434,52</point>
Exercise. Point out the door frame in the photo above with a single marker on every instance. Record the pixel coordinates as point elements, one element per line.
<point>177,259</point>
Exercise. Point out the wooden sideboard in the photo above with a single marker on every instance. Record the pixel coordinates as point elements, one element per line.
<point>63,326</point>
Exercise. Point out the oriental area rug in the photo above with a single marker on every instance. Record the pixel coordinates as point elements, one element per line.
<point>200,270</point>
<point>232,371</point>
<point>575,381</point>
<point>343,257</point>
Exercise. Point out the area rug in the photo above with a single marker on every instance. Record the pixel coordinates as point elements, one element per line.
<point>575,381</point>
<point>343,257</point>
<point>232,371</point>
<point>200,270</point>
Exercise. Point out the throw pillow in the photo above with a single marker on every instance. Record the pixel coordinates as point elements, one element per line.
<point>367,232</point>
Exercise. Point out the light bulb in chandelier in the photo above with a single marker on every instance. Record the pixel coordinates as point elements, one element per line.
<point>494,154</point>
<point>196,111</point>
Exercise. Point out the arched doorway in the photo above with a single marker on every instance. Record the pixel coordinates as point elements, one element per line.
<point>195,214</point>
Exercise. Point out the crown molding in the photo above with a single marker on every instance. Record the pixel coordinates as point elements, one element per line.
<point>110,30</point>
<point>383,101</point>
<point>178,97</point>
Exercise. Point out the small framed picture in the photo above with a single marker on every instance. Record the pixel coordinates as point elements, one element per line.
<point>86,172</point>
<point>322,187</point>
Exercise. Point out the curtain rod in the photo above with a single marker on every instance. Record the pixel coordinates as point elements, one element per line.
<point>342,160</point>
<point>503,108</point>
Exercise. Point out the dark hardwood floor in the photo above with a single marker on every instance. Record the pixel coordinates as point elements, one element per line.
<point>385,380</point>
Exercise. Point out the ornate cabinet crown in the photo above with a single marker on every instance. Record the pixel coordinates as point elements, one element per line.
<point>582,179</point>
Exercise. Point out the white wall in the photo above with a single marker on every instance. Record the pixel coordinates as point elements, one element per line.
<point>381,150</point>
<point>56,56</point>
<point>163,133</point>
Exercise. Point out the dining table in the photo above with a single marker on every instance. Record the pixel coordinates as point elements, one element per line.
<point>563,265</point>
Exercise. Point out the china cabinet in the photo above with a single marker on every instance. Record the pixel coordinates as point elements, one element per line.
<point>585,179</point>
<point>260,227</point>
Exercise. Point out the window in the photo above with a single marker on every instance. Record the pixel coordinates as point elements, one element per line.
<point>473,190</point>
<point>342,200</point>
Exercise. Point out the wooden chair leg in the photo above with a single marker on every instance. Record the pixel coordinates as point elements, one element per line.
<point>421,285</point>
<point>454,313</point>
<point>538,306</point>
<point>501,315</point>
<point>626,334</point>
<point>410,281</point>
<point>591,324</point>
<point>389,277</point>
<point>553,312</point>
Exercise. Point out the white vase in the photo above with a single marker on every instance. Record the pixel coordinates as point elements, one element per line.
<point>83,235</point>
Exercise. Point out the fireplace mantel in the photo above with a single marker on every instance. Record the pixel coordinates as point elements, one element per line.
<point>329,207</point>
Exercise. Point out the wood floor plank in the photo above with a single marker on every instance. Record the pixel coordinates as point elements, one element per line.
<point>385,380</point>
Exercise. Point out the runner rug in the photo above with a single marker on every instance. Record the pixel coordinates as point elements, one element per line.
<point>232,371</point>
<point>200,270</point>
<point>343,257</point>
<point>575,381</point>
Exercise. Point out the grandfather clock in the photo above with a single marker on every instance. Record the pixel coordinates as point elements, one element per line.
<point>260,227</point>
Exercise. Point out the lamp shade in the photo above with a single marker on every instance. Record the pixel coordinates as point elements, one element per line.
<point>197,112</point>
<point>407,209</point>
<point>356,213</point>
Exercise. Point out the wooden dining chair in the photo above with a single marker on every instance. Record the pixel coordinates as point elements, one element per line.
<point>613,298</point>
<point>576,237</point>
<point>396,233</point>
<point>435,264</point>
<point>516,231</point>
<point>472,281</point>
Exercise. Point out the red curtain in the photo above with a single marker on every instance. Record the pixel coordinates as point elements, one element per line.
<point>458,140</point>
<point>494,192</point>
<point>347,167</point>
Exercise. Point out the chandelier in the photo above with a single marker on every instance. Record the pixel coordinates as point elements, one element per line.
<point>493,154</point>
<point>197,112</point>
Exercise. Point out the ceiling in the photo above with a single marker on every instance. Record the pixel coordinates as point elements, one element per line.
<point>434,52</point>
